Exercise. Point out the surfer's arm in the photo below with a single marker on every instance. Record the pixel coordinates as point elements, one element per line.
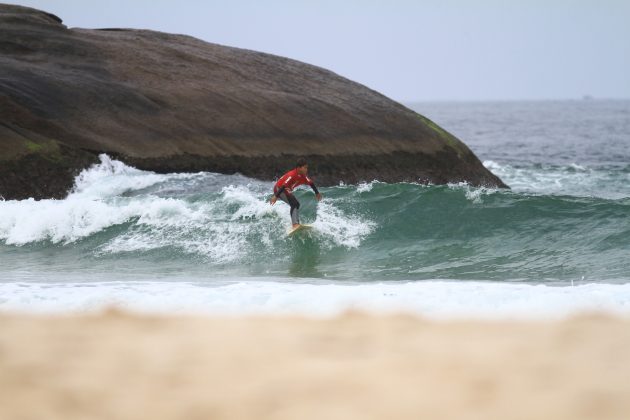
<point>317,194</point>
<point>279,191</point>
<point>276,194</point>
<point>310,182</point>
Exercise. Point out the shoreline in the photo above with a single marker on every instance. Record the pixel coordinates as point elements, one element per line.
<point>316,297</point>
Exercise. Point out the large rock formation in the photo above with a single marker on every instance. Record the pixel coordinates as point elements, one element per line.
<point>166,103</point>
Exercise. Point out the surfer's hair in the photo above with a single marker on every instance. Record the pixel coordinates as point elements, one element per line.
<point>300,162</point>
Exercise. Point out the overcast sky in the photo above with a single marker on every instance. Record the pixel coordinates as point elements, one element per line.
<point>408,50</point>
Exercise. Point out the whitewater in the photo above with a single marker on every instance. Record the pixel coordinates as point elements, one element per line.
<point>557,242</point>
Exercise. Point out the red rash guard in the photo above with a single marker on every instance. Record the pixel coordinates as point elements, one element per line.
<point>289,181</point>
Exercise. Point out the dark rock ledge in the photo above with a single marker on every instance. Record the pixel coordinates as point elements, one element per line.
<point>166,102</point>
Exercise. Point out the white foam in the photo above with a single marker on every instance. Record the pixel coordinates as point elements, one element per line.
<point>111,178</point>
<point>93,205</point>
<point>366,186</point>
<point>340,228</point>
<point>428,298</point>
<point>252,206</point>
<point>200,228</point>
<point>215,228</point>
<point>473,194</point>
<point>26,221</point>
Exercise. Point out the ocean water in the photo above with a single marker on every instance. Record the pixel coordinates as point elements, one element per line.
<point>557,242</point>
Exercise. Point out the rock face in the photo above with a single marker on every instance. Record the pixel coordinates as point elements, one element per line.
<point>167,103</point>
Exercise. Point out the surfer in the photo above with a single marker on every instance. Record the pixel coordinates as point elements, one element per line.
<point>287,183</point>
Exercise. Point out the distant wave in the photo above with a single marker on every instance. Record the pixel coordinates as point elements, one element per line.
<point>612,182</point>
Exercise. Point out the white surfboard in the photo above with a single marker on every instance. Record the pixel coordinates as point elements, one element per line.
<point>298,228</point>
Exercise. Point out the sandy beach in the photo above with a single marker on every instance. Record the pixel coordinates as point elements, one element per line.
<point>115,365</point>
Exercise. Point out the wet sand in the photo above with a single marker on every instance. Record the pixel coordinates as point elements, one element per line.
<point>356,366</point>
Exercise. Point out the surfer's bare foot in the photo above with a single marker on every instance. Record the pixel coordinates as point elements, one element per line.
<point>295,225</point>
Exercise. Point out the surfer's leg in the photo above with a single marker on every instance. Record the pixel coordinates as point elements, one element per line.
<point>284,198</point>
<point>295,206</point>
<point>295,212</point>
